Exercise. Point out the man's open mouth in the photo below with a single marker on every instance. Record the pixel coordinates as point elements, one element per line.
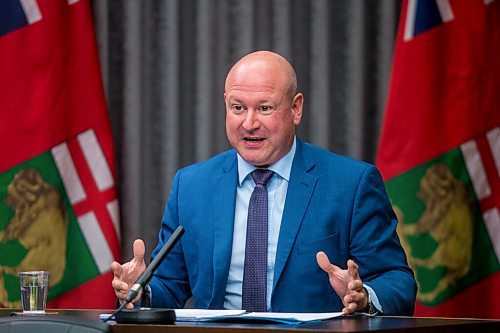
<point>253,139</point>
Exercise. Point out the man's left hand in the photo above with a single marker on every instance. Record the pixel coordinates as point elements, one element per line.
<point>346,283</point>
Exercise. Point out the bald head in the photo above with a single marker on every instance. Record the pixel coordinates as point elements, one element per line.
<point>263,64</point>
<point>262,107</point>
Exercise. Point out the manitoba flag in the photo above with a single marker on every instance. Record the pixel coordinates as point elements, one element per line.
<point>58,201</point>
<point>439,153</point>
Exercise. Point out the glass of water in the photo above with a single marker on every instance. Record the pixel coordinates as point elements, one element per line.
<point>34,288</point>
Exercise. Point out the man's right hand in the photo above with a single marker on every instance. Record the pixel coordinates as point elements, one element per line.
<point>125,275</point>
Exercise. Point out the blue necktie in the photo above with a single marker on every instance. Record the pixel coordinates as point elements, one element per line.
<point>255,269</point>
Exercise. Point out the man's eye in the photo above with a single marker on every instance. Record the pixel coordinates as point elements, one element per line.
<point>237,108</point>
<point>265,109</point>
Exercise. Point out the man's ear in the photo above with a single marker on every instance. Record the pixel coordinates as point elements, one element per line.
<point>297,105</point>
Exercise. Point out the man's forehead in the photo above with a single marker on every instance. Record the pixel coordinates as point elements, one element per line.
<point>248,75</point>
<point>251,88</point>
<point>247,92</point>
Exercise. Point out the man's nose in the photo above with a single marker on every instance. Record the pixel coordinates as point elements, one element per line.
<point>251,121</point>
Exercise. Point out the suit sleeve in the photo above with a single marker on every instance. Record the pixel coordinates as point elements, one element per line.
<point>375,247</point>
<point>170,283</point>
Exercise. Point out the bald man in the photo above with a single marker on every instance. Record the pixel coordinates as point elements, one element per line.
<point>331,233</point>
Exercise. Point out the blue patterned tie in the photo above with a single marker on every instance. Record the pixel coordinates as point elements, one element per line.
<point>255,270</point>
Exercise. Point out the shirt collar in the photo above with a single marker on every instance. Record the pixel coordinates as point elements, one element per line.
<point>283,167</point>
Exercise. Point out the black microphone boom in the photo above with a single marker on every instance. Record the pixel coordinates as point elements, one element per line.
<point>146,276</point>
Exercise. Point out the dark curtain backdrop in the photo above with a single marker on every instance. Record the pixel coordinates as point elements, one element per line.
<point>164,63</point>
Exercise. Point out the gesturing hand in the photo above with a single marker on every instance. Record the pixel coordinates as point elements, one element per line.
<point>346,283</point>
<point>125,275</point>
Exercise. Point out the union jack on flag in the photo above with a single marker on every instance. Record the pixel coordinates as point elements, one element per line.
<point>423,15</point>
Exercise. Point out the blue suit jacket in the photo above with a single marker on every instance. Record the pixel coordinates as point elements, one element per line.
<point>334,204</point>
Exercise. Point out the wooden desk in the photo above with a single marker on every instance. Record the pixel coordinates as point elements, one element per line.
<point>345,324</point>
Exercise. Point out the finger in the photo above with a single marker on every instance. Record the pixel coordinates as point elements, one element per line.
<point>117,269</point>
<point>355,285</point>
<point>354,297</point>
<point>119,285</point>
<point>352,269</point>
<point>348,299</point>
<point>121,294</point>
<point>324,263</point>
<point>121,290</point>
<point>139,250</point>
<point>350,308</point>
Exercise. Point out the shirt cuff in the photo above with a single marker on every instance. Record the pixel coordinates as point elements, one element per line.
<point>373,298</point>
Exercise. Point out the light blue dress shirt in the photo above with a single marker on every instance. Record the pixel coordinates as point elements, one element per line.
<point>276,194</point>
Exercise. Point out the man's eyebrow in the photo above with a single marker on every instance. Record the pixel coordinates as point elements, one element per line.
<point>234,99</point>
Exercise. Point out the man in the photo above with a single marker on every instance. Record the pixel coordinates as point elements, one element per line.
<point>321,207</point>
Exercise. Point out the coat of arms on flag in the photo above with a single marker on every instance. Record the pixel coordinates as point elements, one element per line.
<point>49,217</point>
<point>448,221</point>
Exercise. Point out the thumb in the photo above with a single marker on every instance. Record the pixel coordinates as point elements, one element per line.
<point>139,250</point>
<point>325,263</point>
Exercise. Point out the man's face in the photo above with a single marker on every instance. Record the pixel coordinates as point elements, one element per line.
<point>260,116</point>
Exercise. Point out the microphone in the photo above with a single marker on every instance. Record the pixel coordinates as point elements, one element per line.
<point>146,276</point>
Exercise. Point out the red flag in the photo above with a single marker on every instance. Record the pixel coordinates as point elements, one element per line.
<point>57,169</point>
<point>439,153</point>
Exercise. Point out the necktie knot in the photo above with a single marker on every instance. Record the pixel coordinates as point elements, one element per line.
<point>262,176</point>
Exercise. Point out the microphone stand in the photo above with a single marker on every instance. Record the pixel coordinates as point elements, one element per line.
<point>147,315</point>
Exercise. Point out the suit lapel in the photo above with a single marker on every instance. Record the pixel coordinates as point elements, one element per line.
<point>223,201</point>
<point>300,190</point>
